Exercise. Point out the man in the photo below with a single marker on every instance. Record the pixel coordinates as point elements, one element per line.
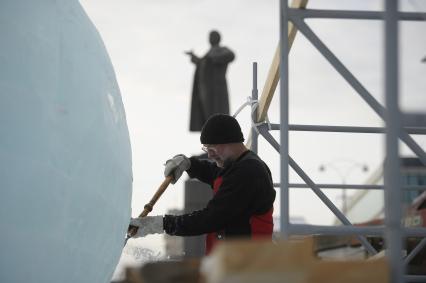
<point>243,198</point>
<point>210,90</point>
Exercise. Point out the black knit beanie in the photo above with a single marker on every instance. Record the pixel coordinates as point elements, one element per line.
<point>220,129</point>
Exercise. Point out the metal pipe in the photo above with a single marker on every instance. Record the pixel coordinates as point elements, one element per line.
<point>335,62</point>
<point>414,232</point>
<point>357,15</point>
<point>254,107</point>
<point>346,129</point>
<point>350,78</point>
<point>265,133</point>
<point>284,118</point>
<point>415,251</point>
<point>304,229</point>
<point>340,186</point>
<point>354,186</point>
<point>392,175</point>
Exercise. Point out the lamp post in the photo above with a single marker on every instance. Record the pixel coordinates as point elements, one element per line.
<point>343,172</point>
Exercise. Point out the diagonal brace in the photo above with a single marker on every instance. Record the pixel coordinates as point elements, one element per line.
<point>265,133</point>
<point>351,79</point>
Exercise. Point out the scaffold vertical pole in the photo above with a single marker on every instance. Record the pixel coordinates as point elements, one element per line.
<point>284,120</point>
<point>392,176</point>
<point>254,107</point>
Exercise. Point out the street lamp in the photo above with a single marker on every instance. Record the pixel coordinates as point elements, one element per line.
<point>344,172</point>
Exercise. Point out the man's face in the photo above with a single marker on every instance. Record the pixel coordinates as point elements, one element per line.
<point>216,153</point>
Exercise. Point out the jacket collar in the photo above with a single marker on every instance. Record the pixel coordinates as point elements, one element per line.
<point>229,163</point>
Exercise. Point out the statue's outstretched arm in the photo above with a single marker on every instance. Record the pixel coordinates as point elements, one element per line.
<point>194,58</point>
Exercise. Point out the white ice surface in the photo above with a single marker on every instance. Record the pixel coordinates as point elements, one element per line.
<point>135,254</point>
<point>65,157</point>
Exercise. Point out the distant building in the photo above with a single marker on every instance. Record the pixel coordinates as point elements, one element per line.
<point>367,205</point>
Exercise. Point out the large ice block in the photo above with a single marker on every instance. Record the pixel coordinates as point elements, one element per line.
<point>65,157</point>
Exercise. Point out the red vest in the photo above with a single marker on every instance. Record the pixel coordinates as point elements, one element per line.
<point>261,226</point>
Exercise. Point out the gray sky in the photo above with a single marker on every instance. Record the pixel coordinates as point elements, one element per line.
<point>146,40</point>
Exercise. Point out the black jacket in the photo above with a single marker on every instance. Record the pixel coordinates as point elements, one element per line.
<point>246,190</point>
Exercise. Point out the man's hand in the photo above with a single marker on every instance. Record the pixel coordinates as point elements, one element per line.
<point>147,225</point>
<point>176,166</point>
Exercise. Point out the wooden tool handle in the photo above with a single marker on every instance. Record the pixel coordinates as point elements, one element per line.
<point>149,206</point>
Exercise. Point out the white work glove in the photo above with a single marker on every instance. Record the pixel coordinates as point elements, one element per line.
<point>148,225</point>
<point>176,166</point>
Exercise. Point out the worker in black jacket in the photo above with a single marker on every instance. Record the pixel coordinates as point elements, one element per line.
<point>242,204</point>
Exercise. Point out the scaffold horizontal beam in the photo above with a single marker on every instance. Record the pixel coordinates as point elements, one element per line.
<point>307,229</point>
<point>344,129</point>
<point>355,15</point>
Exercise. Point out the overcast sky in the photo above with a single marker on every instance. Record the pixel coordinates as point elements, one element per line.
<point>146,40</point>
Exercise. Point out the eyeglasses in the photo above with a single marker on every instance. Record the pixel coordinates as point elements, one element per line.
<point>209,148</point>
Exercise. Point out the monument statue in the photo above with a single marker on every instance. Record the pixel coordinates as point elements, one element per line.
<point>210,90</point>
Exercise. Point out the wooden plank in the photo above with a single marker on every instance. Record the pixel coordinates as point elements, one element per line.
<point>274,72</point>
<point>183,271</point>
<point>248,261</point>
